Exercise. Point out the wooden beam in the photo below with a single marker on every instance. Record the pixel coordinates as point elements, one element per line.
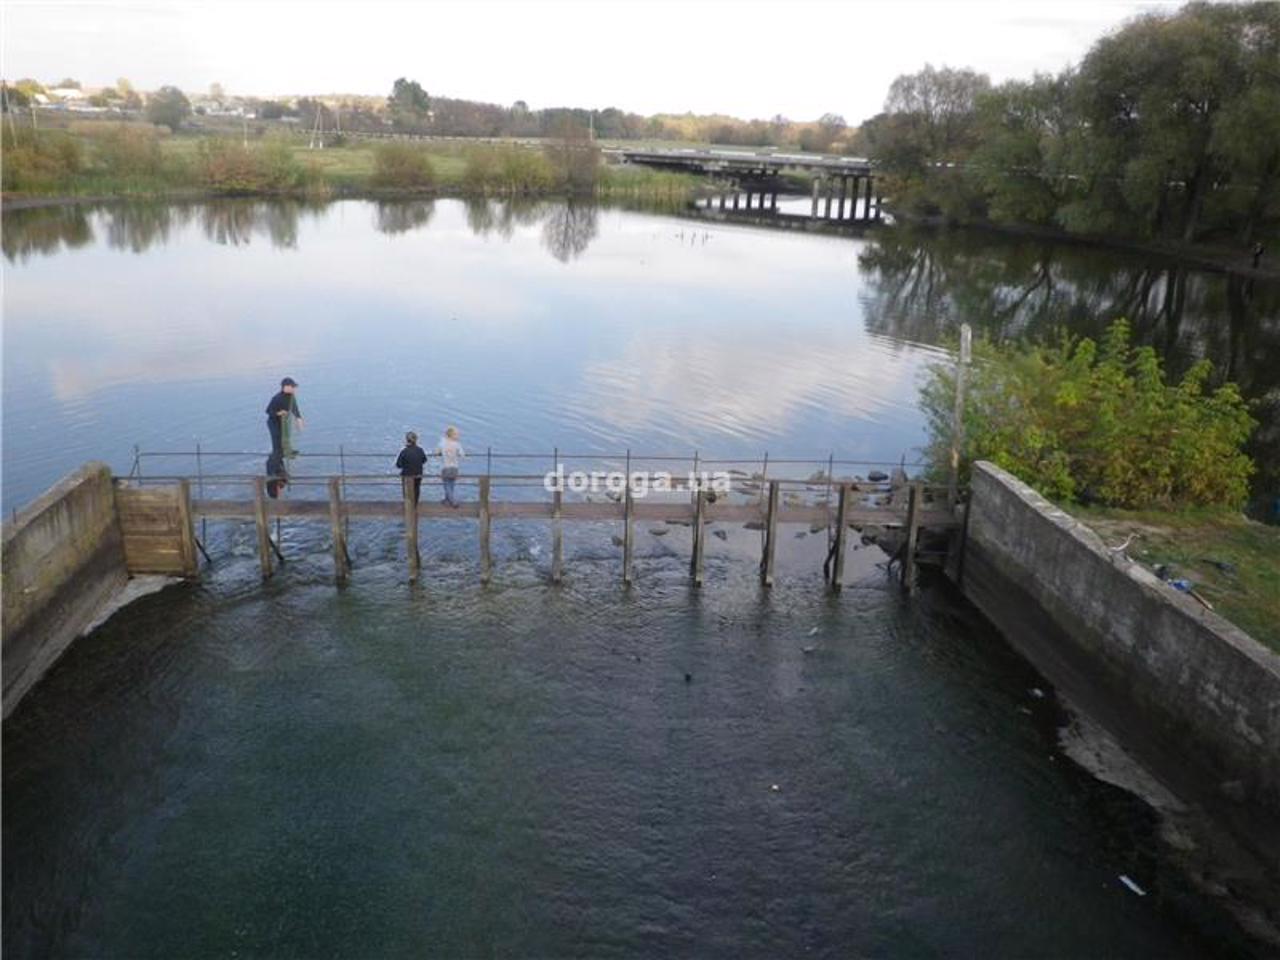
<point>557,537</point>
<point>699,538</point>
<point>770,536</point>
<point>486,561</point>
<point>842,528</point>
<point>628,531</point>
<point>187,531</point>
<point>914,503</point>
<point>341,568</point>
<point>260,521</point>
<point>411,530</point>
<point>542,510</point>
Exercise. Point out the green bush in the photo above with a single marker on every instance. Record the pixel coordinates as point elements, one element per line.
<point>402,166</point>
<point>1096,423</point>
<point>227,166</point>
<point>39,161</point>
<point>507,169</point>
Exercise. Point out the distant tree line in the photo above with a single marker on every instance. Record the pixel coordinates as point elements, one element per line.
<point>1168,129</point>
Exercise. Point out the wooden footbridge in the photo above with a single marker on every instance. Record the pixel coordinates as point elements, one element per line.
<point>158,512</point>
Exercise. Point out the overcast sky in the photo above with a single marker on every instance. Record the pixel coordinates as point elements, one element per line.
<point>746,58</point>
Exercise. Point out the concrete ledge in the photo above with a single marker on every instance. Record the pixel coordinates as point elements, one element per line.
<point>1196,698</point>
<point>63,559</point>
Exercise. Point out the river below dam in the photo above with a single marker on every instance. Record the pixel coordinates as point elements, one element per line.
<point>233,768</point>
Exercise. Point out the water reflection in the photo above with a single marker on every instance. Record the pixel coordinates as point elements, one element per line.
<point>44,231</point>
<point>399,216</point>
<point>569,229</point>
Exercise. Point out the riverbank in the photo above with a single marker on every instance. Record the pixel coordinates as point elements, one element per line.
<point>137,163</point>
<point>1231,562</point>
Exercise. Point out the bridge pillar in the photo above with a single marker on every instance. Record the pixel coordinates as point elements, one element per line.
<point>773,201</point>
<point>748,199</point>
<point>844,186</point>
<point>736,197</point>
<point>866,206</point>
<point>814,212</point>
<point>826,206</point>
<point>721,199</point>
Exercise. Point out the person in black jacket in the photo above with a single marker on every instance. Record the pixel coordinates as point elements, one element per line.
<point>411,461</point>
<point>282,405</point>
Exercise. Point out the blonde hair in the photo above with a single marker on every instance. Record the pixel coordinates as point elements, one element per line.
<point>451,432</point>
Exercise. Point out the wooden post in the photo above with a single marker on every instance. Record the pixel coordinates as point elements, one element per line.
<point>814,212</point>
<point>957,417</point>
<point>557,537</point>
<point>770,536</point>
<point>913,529</point>
<point>187,531</point>
<point>411,530</point>
<point>340,566</point>
<point>698,538</point>
<point>628,531</point>
<point>842,529</point>
<point>260,520</point>
<point>486,562</point>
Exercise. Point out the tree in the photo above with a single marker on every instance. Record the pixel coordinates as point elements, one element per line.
<point>928,129</point>
<point>1169,104</point>
<point>168,107</point>
<point>409,105</point>
<point>67,83</point>
<point>215,91</point>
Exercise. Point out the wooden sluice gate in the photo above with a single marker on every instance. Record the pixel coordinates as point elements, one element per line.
<point>158,513</point>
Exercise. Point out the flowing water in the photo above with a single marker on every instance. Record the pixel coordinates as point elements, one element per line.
<point>227,768</point>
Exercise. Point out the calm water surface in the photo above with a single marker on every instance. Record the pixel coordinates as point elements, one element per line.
<point>228,768</point>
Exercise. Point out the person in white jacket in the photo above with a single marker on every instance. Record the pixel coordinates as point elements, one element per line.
<point>450,453</point>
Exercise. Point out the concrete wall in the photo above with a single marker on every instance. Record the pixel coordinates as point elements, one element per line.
<point>1193,697</point>
<point>63,559</point>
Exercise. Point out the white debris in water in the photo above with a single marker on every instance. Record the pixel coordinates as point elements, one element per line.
<point>1132,886</point>
<point>813,631</point>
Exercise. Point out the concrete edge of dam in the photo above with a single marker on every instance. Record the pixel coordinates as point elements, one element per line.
<point>1192,697</point>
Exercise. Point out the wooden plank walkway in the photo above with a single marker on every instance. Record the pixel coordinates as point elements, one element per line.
<point>159,531</point>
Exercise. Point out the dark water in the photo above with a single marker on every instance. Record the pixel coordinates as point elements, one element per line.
<point>291,770</point>
<point>298,771</point>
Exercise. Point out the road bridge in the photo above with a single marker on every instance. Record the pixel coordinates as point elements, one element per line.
<point>841,188</point>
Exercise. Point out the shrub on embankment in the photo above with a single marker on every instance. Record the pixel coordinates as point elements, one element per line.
<point>1096,423</point>
<point>231,167</point>
<point>402,166</point>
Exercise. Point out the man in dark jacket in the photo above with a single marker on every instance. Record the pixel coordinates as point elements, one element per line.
<point>411,461</point>
<point>282,405</point>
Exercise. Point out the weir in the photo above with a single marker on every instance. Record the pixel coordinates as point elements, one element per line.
<point>158,513</point>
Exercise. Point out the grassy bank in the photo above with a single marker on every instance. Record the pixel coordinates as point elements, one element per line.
<point>135,160</point>
<point>1231,561</point>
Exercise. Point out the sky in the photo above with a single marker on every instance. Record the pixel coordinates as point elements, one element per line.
<point>747,58</point>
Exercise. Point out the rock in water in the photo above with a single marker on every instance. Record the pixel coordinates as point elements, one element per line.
<point>877,476</point>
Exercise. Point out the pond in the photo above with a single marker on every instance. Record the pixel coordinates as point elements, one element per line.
<point>228,767</point>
